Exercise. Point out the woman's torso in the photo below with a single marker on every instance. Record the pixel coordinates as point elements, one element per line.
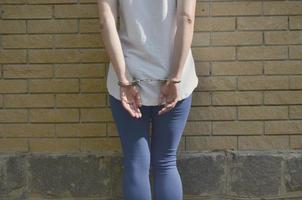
<point>147,31</point>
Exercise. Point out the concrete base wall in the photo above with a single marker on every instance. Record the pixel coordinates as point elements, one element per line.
<point>205,175</point>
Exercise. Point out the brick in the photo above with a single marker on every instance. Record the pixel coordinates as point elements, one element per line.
<point>12,26</point>
<point>112,129</point>
<point>237,128</point>
<point>283,37</point>
<point>282,8</point>
<point>236,8</point>
<point>217,83</point>
<point>295,22</point>
<point>201,98</point>
<point>197,128</point>
<point>13,115</point>
<point>295,52</point>
<point>2,2</point>
<point>213,53</point>
<point>51,1</point>
<point>101,144</point>
<point>262,23</point>
<point>282,67</point>
<point>295,112</point>
<point>80,70</point>
<point>27,71</point>
<point>86,1</point>
<point>13,86</point>
<point>26,12</point>
<point>27,130</point>
<point>237,98</point>
<point>81,130</point>
<point>263,82</point>
<point>78,41</point>
<point>236,68</point>
<point>262,52</point>
<point>236,38</point>
<point>96,115</point>
<point>263,142</point>
<point>200,143</point>
<point>93,55</point>
<point>26,41</point>
<point>202,68</point>
<point>214,24</point>
<point>80,100</point>
<point>201,39</point>
<point>282,97</point>
<point>283,127</point>
<point>182,145</point>
<point>54,115</point>
<point>212,113</point>
<point>29,101</point>
<point>89,26</point>
<point>295,82</point>
<point>296,142</point>
<point>13,145</point>
<point>54,144</point>
<point>54,56</point>
<point>93,85</point>
<point>52,26</point>
<point>76,11</point>
<point>202,8</point>
<point>54,85</point>
<point>12,56</point>
<point>262,112</point>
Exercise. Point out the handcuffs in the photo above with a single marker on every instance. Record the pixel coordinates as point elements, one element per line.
<point>137,81</point>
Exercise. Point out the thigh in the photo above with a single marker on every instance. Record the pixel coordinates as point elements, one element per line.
<point>133,132</point>
<point>167,130</point>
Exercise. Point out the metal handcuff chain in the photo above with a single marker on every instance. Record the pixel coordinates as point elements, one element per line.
<point>137,81</point>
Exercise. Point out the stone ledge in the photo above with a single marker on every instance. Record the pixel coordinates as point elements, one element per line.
<point>207,175</point>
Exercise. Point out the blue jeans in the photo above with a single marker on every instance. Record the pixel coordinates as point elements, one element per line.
<point>161,153</point>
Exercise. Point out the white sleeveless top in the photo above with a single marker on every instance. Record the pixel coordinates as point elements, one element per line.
<point>147,31</point>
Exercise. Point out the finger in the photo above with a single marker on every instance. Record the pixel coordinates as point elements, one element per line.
<point>168,106</point>
<point>127,107</point>
<point>164,110</point>
<point>171,99</point>
<point>135,109</point>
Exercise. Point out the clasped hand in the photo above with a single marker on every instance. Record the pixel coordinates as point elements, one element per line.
<point>131,99</point>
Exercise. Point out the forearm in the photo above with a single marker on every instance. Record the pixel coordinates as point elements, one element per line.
<point>182,44</point>
<point>113,46</point>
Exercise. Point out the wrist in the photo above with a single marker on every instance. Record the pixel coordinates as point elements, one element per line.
<point>173,81</point>
<point>174,77</point>
<point>124,83</point>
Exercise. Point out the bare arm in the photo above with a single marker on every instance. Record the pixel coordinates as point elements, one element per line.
<point>183,37</point>
<point>107,10</point>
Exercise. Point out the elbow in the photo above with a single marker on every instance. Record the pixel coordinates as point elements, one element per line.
<point>186,18</point>
<point>105,21</point>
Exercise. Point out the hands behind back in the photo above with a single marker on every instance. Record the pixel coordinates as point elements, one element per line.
<point>131,100</point>
<point>168,96</point>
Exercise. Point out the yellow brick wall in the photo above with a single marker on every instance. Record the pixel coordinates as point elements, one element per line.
<point>53,65</point>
